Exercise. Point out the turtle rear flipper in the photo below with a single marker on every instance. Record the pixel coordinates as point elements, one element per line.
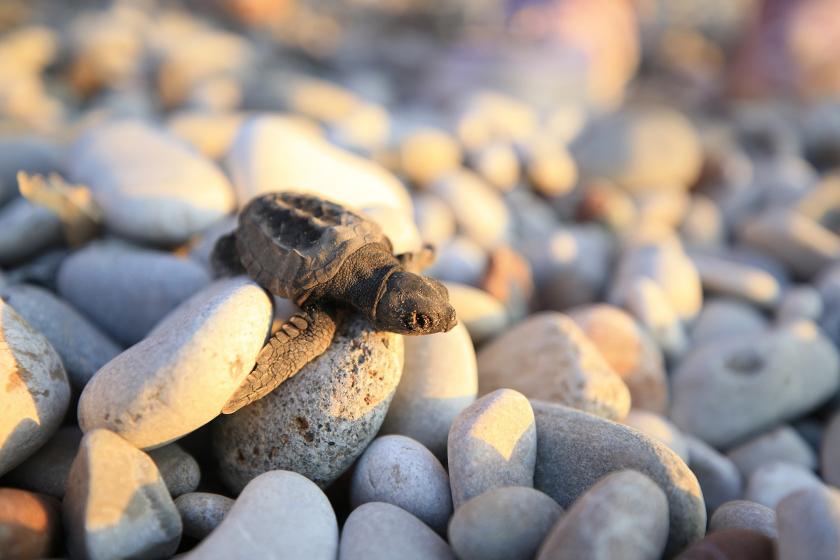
<point>301,339</point>
<point>224,260</point>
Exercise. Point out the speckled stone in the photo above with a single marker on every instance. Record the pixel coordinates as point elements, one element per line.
<point>492,443</point>
<point>108,474</point>
<point>278,515</point>
<point>29,524</point>
<point>151,187</point>
<point>744,514</point>
<point>729,389</point>
<point>319,421</point>
<point>624,507</point>
<point>629,350</point>
<point>718,476</point>
<point>181,375</point>
<point>127,290</point>
<point>83,348</point>
<point>548,357</point>
<point>46,470</point>
<point>439,380</point>
<point>35,392</point>
<point>202,512</point>
<point>27,229</point>
<point>506,523</point>
<point>770,483</point>
<point>780,444</point>
<point>178,469</point>
<point>380,531</point>
<point>808,524</point>
<point>575,450</point>
<point>400,471</point>
<point>731,544</point>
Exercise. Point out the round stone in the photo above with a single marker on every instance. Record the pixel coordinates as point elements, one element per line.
<point>770,483</point>
<point>743,514</point>
<point>729,389</point>
<point>181,375</point>
<point>35,392</point>
<point>278,515</point>
<point>439,380</point>
<point>108,474</point>
<point>624,507</point>
<point>180,472</point>
<point>427,154</point>
<point>202,512</point>
<point>25,153</point>
<point>484,316</point>
<point>629,350</point>
<point>151,187</point>
<point>319,421</point>
<point>808,526</point>
<point>400,471</point>
<point>547,356</point>
<point>727,277</point>
<point>379,531</point>
<point>731,544</point>
<point>660,429</point>
<point>780,444</point>
<point>46,470</point>
<point>127,290</point>
<point>492,443</point>
<point>575,450</point>
<point>27,229</point>
<point>460,260</point>
<point>29,524</point>
<point>830,452</point>
<point>506,523</point>
<point>800,302</point>
<point>649,304</point>
<point>723,318</point>
<point>718,476</point>
<point>83,348</point>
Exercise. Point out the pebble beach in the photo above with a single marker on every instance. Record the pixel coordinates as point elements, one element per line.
<point>635,211</point>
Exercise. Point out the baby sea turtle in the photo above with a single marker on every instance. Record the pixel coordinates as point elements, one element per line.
<point>325,258</point>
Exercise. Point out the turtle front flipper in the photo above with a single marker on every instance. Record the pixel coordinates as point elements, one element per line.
<point>224,260</point>
<point>298,341</point>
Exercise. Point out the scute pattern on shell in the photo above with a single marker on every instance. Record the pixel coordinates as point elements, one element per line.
<point>291,243</point>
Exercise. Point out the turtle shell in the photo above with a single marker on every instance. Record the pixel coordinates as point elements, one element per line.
<point>291,243</point>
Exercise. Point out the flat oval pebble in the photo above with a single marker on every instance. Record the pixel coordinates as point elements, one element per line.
<point>319,421</point>
<point>275,154</point>
<point>29,524</point>
<point>809,524</point>
<point>723,318</point>
<point>181,375</point>
<point>575,450</point>
<point>400,471</point>
<point>460,260</point>
<point>629,350</point>
<point>179,470</point>
<point>379,531</point>
<point>726,277</point>
<point>439,380</point>
<point>506,523</point>
<point>744,514</point>
<point>483,315</point>
<point>729,389</point>
<point>46,470</point>
<point>279,515</point>
<point>771,482</point>
<point>624,511</point>
<point>117,504</point>
<point>718,476</point>
<point>650,306</point>
<point>830,452</point>
<point>781,444</point>
<point>151,187</point>
<point>492,443</point>
<point>35,392</point>
<point>548,357</point>
<point>731,544</point>
<point>27,229</point>
<point>83,348</point>
<point>202,512</point>
<point>435,220</point>
<point>428,153</point>
<point>127,290</point>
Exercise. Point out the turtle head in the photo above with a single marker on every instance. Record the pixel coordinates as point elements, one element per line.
<point>414,304</point>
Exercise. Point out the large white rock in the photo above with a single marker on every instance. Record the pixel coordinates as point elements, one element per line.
<point>181,375</point>
<point>35,390</point>
<point>151,186</point>
<point>279,515</point>
<point>273,153</point>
